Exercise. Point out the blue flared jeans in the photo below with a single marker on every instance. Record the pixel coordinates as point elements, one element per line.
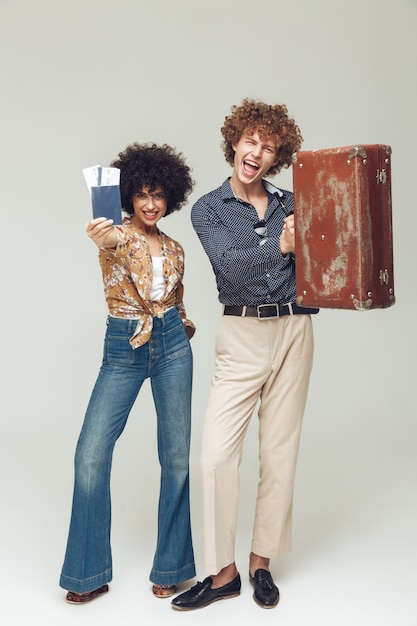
<point>167,360</point>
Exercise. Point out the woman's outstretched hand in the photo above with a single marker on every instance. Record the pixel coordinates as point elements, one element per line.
<point>102,232</point>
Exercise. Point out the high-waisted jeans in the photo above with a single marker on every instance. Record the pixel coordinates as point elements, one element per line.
<point>167,360</point>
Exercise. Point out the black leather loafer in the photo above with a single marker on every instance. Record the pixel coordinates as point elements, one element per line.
<point>265,593</point>
<point>202,594</point>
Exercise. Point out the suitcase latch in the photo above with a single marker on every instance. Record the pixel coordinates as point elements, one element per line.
<point>381,177</point>
<point>384,277</point>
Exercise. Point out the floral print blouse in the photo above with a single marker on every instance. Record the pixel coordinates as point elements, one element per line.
<point>127,277</point>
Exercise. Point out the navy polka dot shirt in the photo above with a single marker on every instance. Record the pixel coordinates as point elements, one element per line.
<point>249,268</point>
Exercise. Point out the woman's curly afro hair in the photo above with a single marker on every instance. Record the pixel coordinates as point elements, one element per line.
<point>151,166</point>
<point>268,120</point>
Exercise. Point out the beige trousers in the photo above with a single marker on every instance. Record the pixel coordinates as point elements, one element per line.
<point>270,361</point>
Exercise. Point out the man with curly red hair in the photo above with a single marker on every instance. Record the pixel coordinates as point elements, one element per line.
<point>264,351</point>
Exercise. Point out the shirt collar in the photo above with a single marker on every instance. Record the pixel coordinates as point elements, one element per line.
<point>272,189</point>
<point>227,191</point>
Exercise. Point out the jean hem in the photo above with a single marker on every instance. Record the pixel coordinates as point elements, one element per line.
<point>86,585</point>
<point>172,578</point>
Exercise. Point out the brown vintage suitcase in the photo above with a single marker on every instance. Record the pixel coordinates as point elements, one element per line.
<point>343,222</point>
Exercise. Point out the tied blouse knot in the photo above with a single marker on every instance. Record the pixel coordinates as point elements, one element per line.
<point>127,273</point>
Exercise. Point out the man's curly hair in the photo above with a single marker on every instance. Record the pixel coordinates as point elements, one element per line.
<point>268,120</point>
<point>151,166</point>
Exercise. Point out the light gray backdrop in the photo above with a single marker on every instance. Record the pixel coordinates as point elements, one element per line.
<point>79,81</point>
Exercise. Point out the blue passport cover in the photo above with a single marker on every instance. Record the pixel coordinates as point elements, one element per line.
<point>106,202</point>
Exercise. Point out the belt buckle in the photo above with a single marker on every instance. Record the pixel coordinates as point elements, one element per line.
<point>266,317</point>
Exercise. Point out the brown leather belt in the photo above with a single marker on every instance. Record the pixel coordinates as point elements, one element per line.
<point>266,311</point>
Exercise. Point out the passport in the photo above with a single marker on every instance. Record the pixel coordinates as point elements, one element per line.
<point>106,202</point>
<point>104,186</point>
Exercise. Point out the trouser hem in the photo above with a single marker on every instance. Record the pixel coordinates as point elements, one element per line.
<point>172,578</point>
<point>88,584</point>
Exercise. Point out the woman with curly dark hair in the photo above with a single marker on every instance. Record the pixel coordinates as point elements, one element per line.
<point>147,336</point>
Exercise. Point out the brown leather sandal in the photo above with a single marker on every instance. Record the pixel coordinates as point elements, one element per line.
<point>163,591</point>
<point>79,598</point>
